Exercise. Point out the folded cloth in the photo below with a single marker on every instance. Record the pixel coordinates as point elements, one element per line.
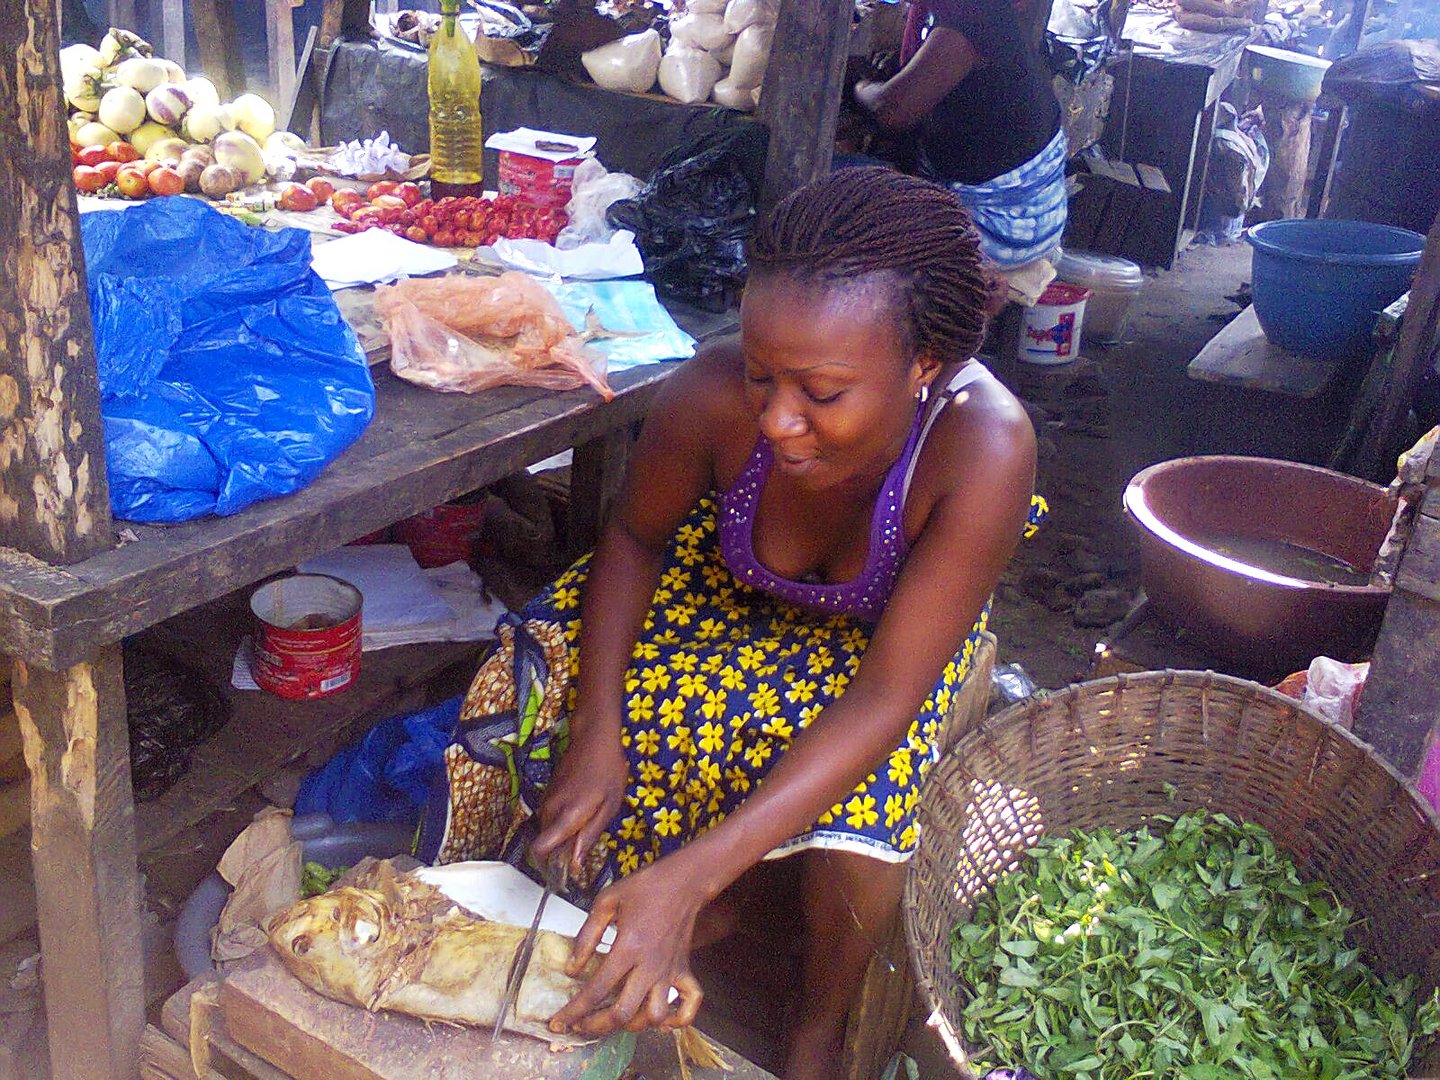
<point>1026,283</point>
<point>1021,213</point>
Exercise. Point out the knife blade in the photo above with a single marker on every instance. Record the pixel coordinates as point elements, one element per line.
<point>554,882</point>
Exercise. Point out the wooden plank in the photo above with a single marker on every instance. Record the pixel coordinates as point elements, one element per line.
<point>172,30</point>
<point>1240,355</point>
<point>1287,132</point>
<point>270,1013</point>
<point>86,885</point>
<point>422,449</point>
<point>219,40</point>
<point>801,101</point>
<point>14,806</point>
<point>17,888</point>
<point>54,500</point>
<point>280,50</point>
<point>1419,571</point>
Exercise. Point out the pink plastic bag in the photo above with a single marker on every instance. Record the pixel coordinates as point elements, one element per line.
<point>468,334</point>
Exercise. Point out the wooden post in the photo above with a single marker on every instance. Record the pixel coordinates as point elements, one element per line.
<point>54,505</point>
<point>172,30</point>
<point>1417,338</point>
<point>280,45</point>
<point>595,479</point>
<point>54,501</point>
<point>801,100</point>
<point>86,886</point>
<point>121,13</point>
<point>220,46</point>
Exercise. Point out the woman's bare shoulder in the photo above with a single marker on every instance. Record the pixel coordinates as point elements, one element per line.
<point>710,386</point>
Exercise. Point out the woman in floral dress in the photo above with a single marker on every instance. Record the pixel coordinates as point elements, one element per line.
<point>755,661</point>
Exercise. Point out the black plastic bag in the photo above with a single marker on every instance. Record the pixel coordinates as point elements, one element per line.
<point>1396,71</point>
<point>692,219</point>
<point>170,709</point>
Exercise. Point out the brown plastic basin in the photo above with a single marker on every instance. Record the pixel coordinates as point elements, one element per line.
<point>1263,619</point>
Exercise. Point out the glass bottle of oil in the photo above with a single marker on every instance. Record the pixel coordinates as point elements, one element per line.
<point>454,84</point>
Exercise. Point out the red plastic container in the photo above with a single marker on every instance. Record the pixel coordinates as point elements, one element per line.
<point>443,534</point>
<point>537,181</point>
<point>307,641</point>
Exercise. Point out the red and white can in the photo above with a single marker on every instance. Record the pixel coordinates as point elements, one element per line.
<point>535,180</point>
<point>443,534</point>
<point>307,641</point>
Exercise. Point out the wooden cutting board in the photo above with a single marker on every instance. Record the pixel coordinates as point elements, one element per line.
<point>272,1014</point>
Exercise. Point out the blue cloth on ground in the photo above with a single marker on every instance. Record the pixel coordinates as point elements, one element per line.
<point>227,374</point>
<point>1021,214</point>
<point>387,775</point>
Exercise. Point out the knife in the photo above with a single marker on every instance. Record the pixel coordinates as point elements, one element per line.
<point>521,960</point>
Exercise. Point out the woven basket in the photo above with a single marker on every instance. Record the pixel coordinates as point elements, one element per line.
<point>1104,752</point>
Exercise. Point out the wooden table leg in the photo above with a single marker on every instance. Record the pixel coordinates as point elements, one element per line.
<point>595,478</point>
<point>86,883</point>
<point>219,40</point>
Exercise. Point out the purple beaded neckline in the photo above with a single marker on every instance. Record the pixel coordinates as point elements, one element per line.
<point>863,596</point>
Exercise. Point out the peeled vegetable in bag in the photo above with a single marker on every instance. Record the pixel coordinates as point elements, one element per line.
<point>629,64</point>
<point>752,53</point>
<point>742,13</point>
<point>700,31</point>
<point>227,375</point>
<point>469,334</point>
<point>688,75</point>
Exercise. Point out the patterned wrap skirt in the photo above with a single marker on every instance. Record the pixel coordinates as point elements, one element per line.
<point>723,677</point>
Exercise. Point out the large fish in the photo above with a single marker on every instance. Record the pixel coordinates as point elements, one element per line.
<point>404,946</point>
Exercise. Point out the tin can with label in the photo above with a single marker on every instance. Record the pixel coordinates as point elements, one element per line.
<point>307,640</point>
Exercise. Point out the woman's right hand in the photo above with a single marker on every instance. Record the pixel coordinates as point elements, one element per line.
<point>584,795</point>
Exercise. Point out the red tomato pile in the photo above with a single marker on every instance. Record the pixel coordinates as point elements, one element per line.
<point>450,222</point>
<point>117,170</point>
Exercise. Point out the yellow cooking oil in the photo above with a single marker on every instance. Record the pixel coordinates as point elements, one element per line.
<point>454,84</point>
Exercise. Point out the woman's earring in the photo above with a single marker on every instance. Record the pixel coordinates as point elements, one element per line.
<point>923,394</point>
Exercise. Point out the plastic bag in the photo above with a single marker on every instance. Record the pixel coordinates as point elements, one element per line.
<point>697,30</point>
<point>752,53</point>
<point>1328,688</point>
<point>468,334</point>
<point>592,192</point>
<point>688,74</point>
<point>692,218</point>
<point>386,775</point>
<point>628,64</point>
<point>227,375</point>
<point>742,13</point>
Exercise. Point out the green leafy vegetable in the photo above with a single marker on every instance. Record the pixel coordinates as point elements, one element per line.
<point>1198,952</point>
<point>316,879</point>
<point>612,1058</point>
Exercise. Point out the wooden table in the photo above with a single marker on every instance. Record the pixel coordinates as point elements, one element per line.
<point>63,627</point>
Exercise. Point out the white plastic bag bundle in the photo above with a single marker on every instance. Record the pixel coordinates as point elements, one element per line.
<point>700,30</point>
<point>629,64</point>
<point>591,193</point>
<point>752,53</point>
<point>730,95</point>
<point>688,75</point>
<point>742,13</point>
<point>1332,689</point>
<point>706,7</point>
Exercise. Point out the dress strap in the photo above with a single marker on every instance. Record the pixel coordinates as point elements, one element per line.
<point>968,373</point>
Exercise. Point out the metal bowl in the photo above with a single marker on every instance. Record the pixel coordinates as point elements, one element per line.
<point>1267,619</point>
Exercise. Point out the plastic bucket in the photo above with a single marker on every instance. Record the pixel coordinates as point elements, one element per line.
<point>1050,332</point>
<point>1319,286</point>
<point>1114,285</point>
<point>307,641</point>
<point>443,534</point>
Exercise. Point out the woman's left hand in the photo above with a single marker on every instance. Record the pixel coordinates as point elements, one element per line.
<point>653,912</point>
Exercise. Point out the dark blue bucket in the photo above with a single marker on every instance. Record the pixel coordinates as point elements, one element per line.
<point>1320,285</point>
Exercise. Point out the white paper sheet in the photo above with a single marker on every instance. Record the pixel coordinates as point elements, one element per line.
<point>375,257</point>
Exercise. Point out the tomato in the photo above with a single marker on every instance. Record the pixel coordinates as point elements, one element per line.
<point>94,155</point>
<point>88,179</point>
<point>108,169</point>
<point>367,215</point>
<point>381,187</point>
<point>132,182</point>
<point>411,193</point>
<point>122,152</point>
<point>491,239</point>
<point>445,238</point>
<point>165,181</point>
<point>322,188</point>
<point>430,223</point>
<point>346,202</point>
<point>424,206</point>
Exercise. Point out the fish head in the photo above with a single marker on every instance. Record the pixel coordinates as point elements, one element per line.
<point>334,938</point>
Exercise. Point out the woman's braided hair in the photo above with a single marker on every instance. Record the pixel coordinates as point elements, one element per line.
<point>873,220</point>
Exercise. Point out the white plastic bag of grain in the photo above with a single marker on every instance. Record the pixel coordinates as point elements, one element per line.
<point>700,31</point>
<point>730,95</point>
<point>752,53</point>
<point>628,64</point>
<point>742,13</point>
<point>688,75</point>
<point>724,54</point>
<point>705,7</point>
